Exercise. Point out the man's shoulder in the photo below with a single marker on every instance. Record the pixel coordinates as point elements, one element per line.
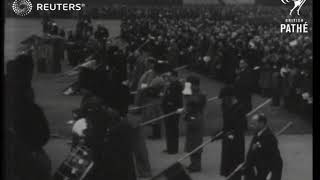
<point>268,135</point>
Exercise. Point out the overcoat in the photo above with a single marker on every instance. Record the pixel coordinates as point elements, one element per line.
<point>233,149</point>
<point>194,117</point>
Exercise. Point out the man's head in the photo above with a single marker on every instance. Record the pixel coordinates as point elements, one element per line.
<point>258,122</point>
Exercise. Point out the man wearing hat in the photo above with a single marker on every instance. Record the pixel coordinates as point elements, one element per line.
<point>194,105</point>
<point>234,119</point>
<point>26,125</point>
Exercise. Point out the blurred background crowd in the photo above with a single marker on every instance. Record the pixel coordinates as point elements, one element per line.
<point>213,40</point>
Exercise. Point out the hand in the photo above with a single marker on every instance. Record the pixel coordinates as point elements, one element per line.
<point>144,86</point>
<point>256,145</point>
<point>180,110</point>
<point>269,176</point>
<point>231,137</point>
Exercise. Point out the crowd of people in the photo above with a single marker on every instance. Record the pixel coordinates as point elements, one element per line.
<point>213,40</point>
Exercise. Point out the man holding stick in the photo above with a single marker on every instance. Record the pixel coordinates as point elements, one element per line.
<point>194,105</point>
<point>171,101</point>
<point>234,119</point>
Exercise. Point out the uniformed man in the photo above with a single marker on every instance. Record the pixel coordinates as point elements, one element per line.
<point>194,105</point>
<point>234,119</point>
<point>151,95</point>
<point>26,123</point>
<point>107,132</point>
<point>144,81</point>
<point>172,100</point>
<point>109,138</point>
<point>243,85</point>
<point>263,159</point>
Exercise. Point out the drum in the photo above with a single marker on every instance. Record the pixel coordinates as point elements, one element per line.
<point>76,166</point>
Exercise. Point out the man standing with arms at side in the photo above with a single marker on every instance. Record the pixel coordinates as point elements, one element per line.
<point>243,85</point>
<point>264,161</point>
<point>172,100</point>
<point>194,105</point>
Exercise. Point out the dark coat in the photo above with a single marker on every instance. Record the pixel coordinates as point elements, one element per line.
<point>233,150</point>
<point>172,99</point>
<point>109,139</point>
<point>265,77</point>
<point>229,65</point>
<point>264,154</point>
<point>29,132</point>
<point>194,118</point>
<point>243,88</point>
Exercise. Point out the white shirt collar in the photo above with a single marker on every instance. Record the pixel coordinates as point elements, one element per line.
<point>261,131</point>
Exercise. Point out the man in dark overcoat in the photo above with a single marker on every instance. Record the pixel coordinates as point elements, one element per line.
<point>243,85</point>
<point>171,101</point>
<point>263,159</point>
<point>234,119</point>
<point>194,105</point>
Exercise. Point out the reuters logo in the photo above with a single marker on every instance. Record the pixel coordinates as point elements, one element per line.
<point>22,7</point>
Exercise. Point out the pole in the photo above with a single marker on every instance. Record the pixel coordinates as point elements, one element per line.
<point>141,107</point>
<point>169,114</point>
<point>177,69</point>
<point>216,137</point>
<point>220,133</point>
<point>258,107</point>
<point>201,146</point>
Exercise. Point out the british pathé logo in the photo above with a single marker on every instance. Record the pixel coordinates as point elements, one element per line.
<point>294,25</point>
<point>297,5</point>
<point>22,7</point>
